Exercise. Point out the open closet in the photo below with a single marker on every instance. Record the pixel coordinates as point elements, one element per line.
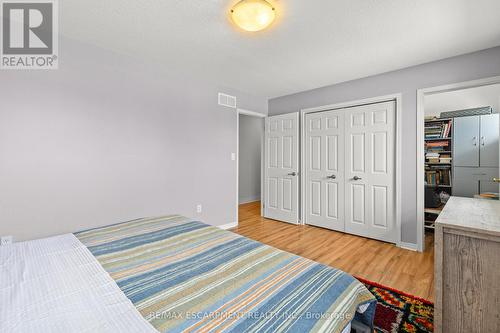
<point>461,147</point>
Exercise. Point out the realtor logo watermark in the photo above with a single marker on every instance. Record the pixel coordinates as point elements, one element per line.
<point>29,34</point>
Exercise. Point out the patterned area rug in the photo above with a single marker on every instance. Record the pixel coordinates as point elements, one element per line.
<point>400,312</point>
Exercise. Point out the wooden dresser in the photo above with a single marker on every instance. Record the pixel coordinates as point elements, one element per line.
<point>467,267</point>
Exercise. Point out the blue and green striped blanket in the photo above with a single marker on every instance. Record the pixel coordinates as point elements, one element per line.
<point>186,276</point>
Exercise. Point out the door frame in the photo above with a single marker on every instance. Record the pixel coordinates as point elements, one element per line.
<point>398,98</point>
<point>421,93</point>
<point>258,115</point>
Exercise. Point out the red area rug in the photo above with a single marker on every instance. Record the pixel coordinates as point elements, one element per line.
<point>400,312</point>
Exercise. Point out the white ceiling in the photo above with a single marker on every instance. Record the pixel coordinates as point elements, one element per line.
<point>314,42</point>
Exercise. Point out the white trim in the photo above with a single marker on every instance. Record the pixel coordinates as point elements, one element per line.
<point>398,98</point>
<point>250,199</point>
<point>228,226</point>
<point>302,142</point>
<point>349,104</point>
<point>262,170</point>
<point>252,114</point>
<point>237,208</point>
<point>408,246</point>
<point>421,93</point>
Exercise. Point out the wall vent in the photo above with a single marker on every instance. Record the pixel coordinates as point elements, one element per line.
<point>227,100</point>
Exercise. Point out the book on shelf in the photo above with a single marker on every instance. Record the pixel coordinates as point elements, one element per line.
<point>438,176</point>
<point>437,144</point>
<point>439,149</point>
<point>438,130</point>
<point>436,157</point>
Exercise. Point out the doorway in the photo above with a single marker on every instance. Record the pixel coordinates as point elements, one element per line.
<point>458,153</point>
<point>250,130</point>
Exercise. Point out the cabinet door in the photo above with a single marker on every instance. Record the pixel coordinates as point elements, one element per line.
<point>486,183</point>
<point>466,181</point>
<point>466,141</point>
<point>488,151</point>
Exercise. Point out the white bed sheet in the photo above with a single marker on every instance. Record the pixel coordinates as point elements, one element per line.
<point>56,285</point>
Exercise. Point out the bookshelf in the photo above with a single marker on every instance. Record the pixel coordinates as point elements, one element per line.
<point>438,164</point>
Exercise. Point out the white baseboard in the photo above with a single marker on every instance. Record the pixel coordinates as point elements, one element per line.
<point>249,199</point>
<point>228,226</point>
<point>408,246</point>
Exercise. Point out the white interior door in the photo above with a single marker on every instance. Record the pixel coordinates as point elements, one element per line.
<point>324,169</point>
<point>369,171</point>
<point>281,182</point>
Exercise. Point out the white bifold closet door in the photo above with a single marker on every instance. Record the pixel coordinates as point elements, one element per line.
<point>324,157</point>
<point>355,145</point>
<point>281,179</point>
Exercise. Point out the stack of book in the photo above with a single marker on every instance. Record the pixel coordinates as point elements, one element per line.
<point>438,130</point>
<point>435,157</point>
<point>433,131</point>
<point>445,158</point>
<point>436,146</point>
<point>432,157</point>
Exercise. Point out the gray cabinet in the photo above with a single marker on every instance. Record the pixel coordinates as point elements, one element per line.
<point>469,181</point>
<point>466,141</point>
<point>475,154</point>
<point>488,140</point>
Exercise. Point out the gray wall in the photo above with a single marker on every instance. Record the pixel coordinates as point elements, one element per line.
<point>251,131</point>
<point>463,99</point>
<point>406,81</point>
<point>106,139</point>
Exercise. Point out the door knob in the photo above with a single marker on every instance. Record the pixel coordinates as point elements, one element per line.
<point>496,180</point>
<point>292,174</point>
<point>356,178</point>
<point>331,177</point>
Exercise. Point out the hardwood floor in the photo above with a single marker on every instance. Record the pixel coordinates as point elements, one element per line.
<point>405,270</point>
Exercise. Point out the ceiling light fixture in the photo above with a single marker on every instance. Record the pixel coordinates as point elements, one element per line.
<point>253,15</point>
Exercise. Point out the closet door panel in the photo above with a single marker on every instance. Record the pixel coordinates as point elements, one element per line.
<point>370,164</point>
<point>324,170</point>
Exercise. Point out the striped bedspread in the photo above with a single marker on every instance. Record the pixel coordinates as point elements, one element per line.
<point>185,276</point>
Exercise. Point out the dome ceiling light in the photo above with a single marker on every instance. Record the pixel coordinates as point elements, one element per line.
<point>253,15</point>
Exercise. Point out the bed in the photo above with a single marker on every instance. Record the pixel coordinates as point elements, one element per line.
<point>172,274</point>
